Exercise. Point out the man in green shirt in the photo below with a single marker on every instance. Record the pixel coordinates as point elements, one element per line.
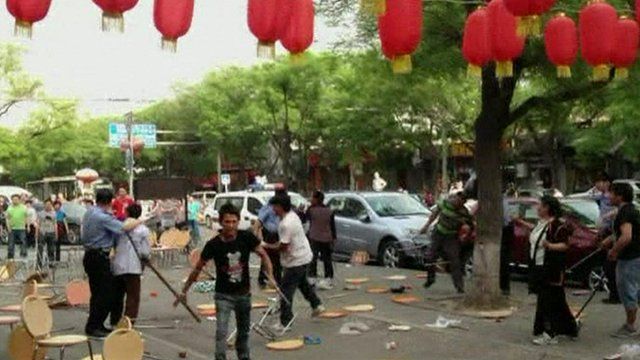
<point>452,216</point>
<point>193,208</point>
<point>17,222</point>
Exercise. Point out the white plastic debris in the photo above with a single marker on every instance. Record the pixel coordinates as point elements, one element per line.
<point>353,328</point>
<point>630,352</point>
<point>399,328</point>
<point>443,323</point>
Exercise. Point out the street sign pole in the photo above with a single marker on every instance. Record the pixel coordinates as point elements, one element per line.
<point>129,154</point>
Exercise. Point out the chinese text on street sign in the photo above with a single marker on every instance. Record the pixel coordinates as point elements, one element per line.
<point>146,132</point>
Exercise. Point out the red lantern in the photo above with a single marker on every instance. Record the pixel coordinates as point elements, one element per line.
<point>137,145</point>
<point>476,47</point>
<point>625,46</point>
<point>561,43</point>
<point>597,29</point>
<point>26,13</point>
<point>298,34</point>
<point>173,19</point>
<point>262,17</point>
<point>112,13</point>
<point>400,31</point>
<point>528,13</point>
<point>87,175</point>
<point>506,45</point>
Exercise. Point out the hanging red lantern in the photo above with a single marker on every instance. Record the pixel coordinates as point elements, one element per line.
<point>262,17</point>
<point>561,43</point>
<point>87,175</point>
<point>400,31</point>
<point>26,13</point>
<point>112,13</point>
<point>506,45</point>
<point>625,46</point>
<point>298,34</point>
<point>597,29</point>
<point>476,47</point>
<point>173,20</point>
<point>527,13</point>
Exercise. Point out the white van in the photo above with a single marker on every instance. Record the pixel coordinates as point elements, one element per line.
<point>249,203</point>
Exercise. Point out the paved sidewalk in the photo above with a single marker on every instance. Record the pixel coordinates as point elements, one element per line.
<point>484,339</point>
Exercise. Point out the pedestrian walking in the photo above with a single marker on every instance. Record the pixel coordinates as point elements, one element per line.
<point>322,235</point>
<point>47,232</point>
<point>266,228</point>
<point>63,227</point>
<point>549,243</point>
<point>17,222</point>
<point>230,251</point>
<point>100,232</point>
<point>32,220</point>
<point>127,267</point>
<point>295,256</point>
<point>453,218</point>
<point>605,229</point>
<point>624,247</point>
<point>120,204</point>
<point>193,208</point>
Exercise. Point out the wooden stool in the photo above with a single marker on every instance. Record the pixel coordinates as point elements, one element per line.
<point>38,320</point>
<point>22,345</point>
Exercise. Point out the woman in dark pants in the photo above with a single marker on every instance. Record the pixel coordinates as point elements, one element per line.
<point>549,243</point>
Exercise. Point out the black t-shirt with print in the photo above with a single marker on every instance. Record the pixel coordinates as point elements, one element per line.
<point>231,259</point>
<point>628,215</point>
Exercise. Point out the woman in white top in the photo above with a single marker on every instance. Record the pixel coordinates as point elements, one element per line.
<point>549,242</point>
<point>127,267</point>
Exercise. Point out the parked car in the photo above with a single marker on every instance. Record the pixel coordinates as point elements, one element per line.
<point>249,203</point>
<point>205,197</point>
<point>385,224</point>
<point>538,192</point>
<point>75,212</point>
<point>635,185</point>
<point>580,214</point>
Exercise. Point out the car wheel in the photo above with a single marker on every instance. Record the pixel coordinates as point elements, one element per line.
<point>390,254</point>
<point>72,237</point>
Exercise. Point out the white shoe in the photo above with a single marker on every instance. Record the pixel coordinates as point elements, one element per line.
<point>279,329</point>
<point>312,281</point>
<point>544,340</point>
<point>317,311</point>
<point>325,285</point>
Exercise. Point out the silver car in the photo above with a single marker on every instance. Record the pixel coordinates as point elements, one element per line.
<point>385,224</point>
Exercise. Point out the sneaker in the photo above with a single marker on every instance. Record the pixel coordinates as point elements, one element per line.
<point>98,333</point>
<point>317,311</point>
<point>278,328</point>
<point>429,283</point>
<point>312,281</point>
<point>325,285</point>
<point>544,340</point>
<point>624,332</point>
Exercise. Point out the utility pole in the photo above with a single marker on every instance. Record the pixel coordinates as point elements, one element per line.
<point>130,162</point>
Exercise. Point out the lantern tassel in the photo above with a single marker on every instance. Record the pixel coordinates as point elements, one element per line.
<point>298,59</point>
<point>535,26</point>
<point>563,71</point>
<point>522,28</point>
<point>401,64</point>
<point>601,73</point>
<point>23,29</point>
<point>112,22</point>
<point>168,44</point>
<point>504,69</point>
<point>374,7</point>
<point>621,73</point>
<point>474,71</point>
<point>266,50</point>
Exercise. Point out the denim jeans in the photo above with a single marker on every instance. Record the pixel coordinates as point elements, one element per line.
<point>21,236</point>
<point>628,281</point>
<point>296,278</point>
<point>241,305</point>
<point>195,232</point>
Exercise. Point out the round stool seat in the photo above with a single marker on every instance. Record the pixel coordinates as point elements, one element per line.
<point>16,308</point>
<point>62,340</point>
<point>95,357</point>
<point>9,320</point>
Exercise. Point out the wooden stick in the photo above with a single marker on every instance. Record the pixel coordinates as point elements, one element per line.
<point>165,282</point>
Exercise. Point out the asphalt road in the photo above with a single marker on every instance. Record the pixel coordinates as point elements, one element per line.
<point>481,339</point>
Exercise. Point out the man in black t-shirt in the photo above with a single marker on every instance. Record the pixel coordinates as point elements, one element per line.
<point>230,251</point>
<point>625,248</point>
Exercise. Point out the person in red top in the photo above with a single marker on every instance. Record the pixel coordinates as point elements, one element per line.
<point>121,203</point>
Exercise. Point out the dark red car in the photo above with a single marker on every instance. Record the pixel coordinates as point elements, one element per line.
<point>581,215</point>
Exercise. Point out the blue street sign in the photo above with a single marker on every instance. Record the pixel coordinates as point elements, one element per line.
<point>146,132</point>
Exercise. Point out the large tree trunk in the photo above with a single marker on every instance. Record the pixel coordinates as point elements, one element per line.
<point>489,127</point>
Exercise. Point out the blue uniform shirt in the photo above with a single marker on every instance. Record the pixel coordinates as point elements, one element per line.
<point>100,229</point>
<point>268,218</point>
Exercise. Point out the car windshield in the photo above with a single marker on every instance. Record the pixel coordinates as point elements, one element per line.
<point>296,199</point>
<point>395,205</point>
<point>586,211</point>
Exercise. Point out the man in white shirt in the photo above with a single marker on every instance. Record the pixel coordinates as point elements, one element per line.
<point>295,257</point>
